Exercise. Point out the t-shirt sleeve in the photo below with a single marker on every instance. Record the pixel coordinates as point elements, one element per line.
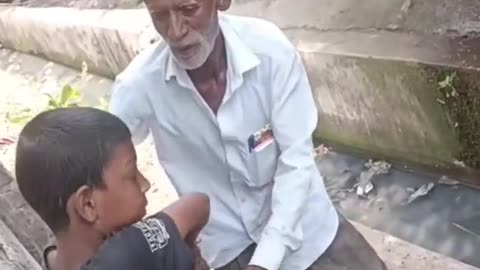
<point>153,243</point>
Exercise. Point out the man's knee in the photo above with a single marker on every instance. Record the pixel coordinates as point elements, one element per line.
<point>351,250</point>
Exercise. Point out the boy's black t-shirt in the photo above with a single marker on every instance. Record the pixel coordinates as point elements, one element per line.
<point>153,243</point>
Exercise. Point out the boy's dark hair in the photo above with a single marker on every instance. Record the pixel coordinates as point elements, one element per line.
<point>61,150</point>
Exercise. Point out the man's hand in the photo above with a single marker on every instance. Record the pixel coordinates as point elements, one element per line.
<point>251,267</point>
<point>200,263</point>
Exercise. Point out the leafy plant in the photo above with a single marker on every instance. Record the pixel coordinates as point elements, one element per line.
<point>447,85</point>
<point>67,98</point>
<point>459,92</point>
<point>21,116</point>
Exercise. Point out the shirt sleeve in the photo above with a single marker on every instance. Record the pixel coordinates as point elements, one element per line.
<point>294,119</point>
<point>153,243</point>
<point>131,105</point>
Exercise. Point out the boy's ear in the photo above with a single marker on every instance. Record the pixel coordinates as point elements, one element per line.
<point>223,5</point>
<point>85,204</point>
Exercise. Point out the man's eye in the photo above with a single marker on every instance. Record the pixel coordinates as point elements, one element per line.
<point>160,15</point>
<point>189,9</point>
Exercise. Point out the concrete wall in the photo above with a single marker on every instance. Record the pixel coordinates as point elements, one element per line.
<point>377,105</point>
<point>366,70</point>
<point>418,16</point>
<point>105,40</point>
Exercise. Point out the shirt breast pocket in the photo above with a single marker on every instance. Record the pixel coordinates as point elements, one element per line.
<point>263,164</point>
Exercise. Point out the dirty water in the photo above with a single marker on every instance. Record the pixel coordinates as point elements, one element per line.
<point>444,217</point>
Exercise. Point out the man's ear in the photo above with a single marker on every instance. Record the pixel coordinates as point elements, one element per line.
<point>223,5</point>
<point>84,204</point>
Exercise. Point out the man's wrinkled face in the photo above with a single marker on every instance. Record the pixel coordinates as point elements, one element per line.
<point>190,28</point>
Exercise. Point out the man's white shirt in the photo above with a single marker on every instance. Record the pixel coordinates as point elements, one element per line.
<point>263,189</point>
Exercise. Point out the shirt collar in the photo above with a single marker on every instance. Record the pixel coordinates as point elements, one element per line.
<point>240,58</point>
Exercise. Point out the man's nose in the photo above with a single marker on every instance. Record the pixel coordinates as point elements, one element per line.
<point>177,28</point>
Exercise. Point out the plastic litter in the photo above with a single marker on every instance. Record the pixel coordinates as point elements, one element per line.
<point>420,192</point>
<point>365,184</point>
<point>444,180</point>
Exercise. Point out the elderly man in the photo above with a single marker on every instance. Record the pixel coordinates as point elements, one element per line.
<point>230,108</point>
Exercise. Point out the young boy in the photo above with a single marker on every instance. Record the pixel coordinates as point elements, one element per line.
<point>77,169</point>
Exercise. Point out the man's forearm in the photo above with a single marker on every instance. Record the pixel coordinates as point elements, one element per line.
<point>283,233</point>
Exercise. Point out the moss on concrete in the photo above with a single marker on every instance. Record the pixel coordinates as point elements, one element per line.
<point>406,123</point>
<point>453,112</point>
<point>459,92</point>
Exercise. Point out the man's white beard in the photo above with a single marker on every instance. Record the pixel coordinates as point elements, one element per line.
<point>207,43</point>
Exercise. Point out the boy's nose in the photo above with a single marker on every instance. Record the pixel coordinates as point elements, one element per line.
<point>144,183</point>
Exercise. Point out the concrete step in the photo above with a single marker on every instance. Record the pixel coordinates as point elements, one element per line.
<point>442,17</point>
<point>27,233</point>
<point>401,255</point>
<point>455,52</point>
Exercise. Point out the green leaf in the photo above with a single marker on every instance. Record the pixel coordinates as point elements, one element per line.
<point>19,119</point>
<point>21,116</point>
<point>68,95</point>
<point>52,104</point>
<point>443,84</point>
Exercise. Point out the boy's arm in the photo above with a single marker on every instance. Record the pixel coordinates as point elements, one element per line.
<point>190,214</point>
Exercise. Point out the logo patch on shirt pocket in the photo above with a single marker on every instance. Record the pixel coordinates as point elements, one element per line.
<point>262,157</point>
<point>260,139</point>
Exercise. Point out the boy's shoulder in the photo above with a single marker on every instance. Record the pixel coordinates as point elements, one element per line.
<point>153,243</point>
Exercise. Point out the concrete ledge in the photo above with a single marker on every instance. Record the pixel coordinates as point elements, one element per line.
<point>105,40</point>
<point>399,254</point>
<point>456,17</point>
<point>13,255</point>
<point>33,234</point>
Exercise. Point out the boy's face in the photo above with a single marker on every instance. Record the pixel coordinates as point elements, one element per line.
<point>122,202</point>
